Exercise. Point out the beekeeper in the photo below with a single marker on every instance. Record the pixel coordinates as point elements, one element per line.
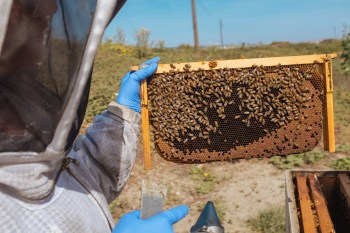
<point>50,179</point>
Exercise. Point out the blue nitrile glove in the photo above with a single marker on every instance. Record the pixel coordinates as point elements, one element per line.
<point>129,93</point>
<point>160,223</point>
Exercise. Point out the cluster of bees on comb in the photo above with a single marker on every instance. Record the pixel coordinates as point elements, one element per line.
<point>190,106</point>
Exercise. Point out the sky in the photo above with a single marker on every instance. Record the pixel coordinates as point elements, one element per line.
<point>243,21</point>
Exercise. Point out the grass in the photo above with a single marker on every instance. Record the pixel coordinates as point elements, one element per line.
<point>117,208</point>
<point>342,114</point>
<point>205,181</point>
<point>292,161</point>
<point>341,163</point>
<point>269,221</point>
<point>343,148</point>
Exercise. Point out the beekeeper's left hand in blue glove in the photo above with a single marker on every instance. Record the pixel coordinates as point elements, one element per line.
<point>160,223</point>
<point>129,93</point>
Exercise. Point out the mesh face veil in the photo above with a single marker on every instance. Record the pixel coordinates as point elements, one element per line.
<point>42,55</point>
<point>5,10</point>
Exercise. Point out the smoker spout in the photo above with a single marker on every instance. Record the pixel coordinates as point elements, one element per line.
<point>208,221</point>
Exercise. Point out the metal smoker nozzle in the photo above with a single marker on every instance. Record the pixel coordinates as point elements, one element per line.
<point>208,221</point>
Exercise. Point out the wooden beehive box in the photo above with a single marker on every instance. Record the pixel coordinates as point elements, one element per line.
<point>223,110</point>
<point>317,201</point>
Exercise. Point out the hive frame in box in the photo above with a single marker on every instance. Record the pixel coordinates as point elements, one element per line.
<point>310,196</point>
<point>323,59</point>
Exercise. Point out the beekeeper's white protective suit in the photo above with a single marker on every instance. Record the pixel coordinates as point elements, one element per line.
<point>47,183</point>
<point>50,180</point>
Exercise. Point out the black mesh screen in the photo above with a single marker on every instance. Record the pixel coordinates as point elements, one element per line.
<point>41,55</point>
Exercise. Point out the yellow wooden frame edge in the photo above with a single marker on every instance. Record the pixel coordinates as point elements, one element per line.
<point>242,63</point>
<point>328,113</point>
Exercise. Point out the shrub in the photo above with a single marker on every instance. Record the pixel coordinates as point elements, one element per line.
<point>204,179</point>
<point>142,42</point>
<point>342,148</point>
<point>120,36</point>
<point>287,162</point>
<point>269,221</point>
<point>345,44</point>
<point>291,161</point>
<point>341,163</point>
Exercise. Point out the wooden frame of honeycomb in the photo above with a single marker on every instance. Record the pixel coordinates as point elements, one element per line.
<point>278,73</point>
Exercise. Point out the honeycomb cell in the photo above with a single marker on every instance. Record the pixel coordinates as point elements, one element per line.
<point>224,114</point>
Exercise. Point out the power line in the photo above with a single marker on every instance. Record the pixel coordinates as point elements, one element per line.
<point>206,11</point>
<point>220,22</point>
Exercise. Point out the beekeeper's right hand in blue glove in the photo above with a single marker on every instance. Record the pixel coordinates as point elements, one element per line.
<point>160,223</point>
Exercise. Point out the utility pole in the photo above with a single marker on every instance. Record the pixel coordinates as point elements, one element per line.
<point>221,35</point>
<point>195,30</point>
<point>335,32</point>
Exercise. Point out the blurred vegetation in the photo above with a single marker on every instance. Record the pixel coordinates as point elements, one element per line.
<point>291,161</point>
<point>205,181</point>
<point>113,60</point>
<point>120,36</point>
<point>142,42</point>
<point>269,221</point>
<point>341,97</point>
<point>341,163</point>
<point>343,148</point>
<point>345,43</point>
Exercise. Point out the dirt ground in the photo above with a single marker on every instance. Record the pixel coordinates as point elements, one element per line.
<point>239,190</point>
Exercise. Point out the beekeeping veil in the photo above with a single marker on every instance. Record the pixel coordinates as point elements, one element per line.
<point>47,48</point>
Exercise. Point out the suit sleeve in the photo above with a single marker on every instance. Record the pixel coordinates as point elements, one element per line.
<point>108,149</point>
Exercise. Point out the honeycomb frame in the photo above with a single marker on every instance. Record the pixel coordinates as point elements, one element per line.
<point>313,103</point>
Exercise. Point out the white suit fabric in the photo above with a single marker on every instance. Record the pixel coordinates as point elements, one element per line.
<point>92,175</point>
